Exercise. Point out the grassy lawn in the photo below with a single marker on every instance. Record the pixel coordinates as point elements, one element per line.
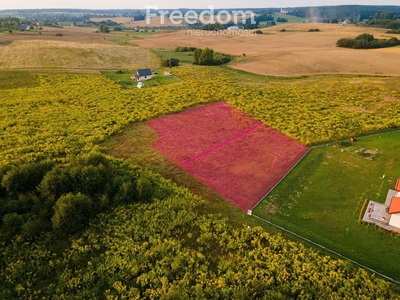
<point>123,78</point>
<point>184,57</point>
<point>323,196</point>
<point>124,38</point>
<point>65,23</point>
<point>291,19</point>
<point>129,37</point>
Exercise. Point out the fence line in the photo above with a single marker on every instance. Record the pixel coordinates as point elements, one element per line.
<point>281,179</point>
<point>327,249</point>
<point>360,137</point>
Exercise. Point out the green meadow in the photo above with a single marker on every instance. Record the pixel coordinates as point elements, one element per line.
<point>322,199</point>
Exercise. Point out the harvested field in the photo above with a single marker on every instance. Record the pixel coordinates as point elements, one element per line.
<point>293,52</point>
<point>77,50</point>
<point>234,154</point>
<point>47,54</point>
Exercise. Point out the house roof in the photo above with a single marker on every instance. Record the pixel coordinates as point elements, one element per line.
<point>144,72</point>
<point>235,28</point>
<point>397,188</point>
<point>394,207</point>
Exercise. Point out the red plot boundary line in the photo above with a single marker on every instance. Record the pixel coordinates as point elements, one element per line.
<point>220,145</point>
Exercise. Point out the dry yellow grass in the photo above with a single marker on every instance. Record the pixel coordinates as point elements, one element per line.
<point>294,52</point>
<point>78,49</point>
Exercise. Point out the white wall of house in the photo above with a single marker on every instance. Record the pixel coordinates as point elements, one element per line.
<point>145,77</point>
<point>395,220</point>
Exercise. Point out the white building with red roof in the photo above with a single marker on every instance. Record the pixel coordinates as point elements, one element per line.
<point>386,215</point>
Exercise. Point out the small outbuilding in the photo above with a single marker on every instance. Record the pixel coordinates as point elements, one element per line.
<point>143,74</point>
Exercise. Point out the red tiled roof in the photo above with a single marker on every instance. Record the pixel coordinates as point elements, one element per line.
<point>394,206</point>
<point>397,188</point>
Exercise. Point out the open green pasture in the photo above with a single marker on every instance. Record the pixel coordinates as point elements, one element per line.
<point>128,37</point>
<point>322,199</point>
<point>184,57</point>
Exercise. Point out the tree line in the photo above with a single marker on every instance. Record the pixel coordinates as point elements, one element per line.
<point>12,23</point>
<point>385,19</point>
<point>367,41</point>
<point>207,57</point>
<point>203,57</point>
<point>357,13</point>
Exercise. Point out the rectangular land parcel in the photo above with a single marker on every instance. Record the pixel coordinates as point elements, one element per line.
<point>234,154</point>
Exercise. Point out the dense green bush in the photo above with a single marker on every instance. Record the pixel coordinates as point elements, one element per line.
<point>12,223</point>
<point>171,62</point>
<point>393,31</point>
<point>281,20</point>
<point>367,41</point>
<point>25,178</point>
<point>207,57</point>
<point>56,182</point>
<point>185,49</point>
<point>72,213</point>
<point>39,196</point>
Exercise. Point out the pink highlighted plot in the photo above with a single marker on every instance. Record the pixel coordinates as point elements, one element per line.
<point>234,154</point>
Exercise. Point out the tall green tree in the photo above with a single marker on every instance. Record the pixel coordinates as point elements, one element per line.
<point>207,57</point>
<point>196,56</point>
<point>71,213</point>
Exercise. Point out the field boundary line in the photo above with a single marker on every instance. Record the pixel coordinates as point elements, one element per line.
<point>221,144</point>
<point>327,249</point>
<point>376,134</point>
<point>360,138</point>
<point>291,169</point>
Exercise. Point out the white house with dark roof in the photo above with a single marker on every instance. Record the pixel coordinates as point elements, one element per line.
<point>143,74</point>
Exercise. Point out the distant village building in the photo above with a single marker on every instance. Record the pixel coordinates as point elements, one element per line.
<point>235,28</point>
<point>142,74</point>
<point>345,22</point>
<point>24,27</point>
